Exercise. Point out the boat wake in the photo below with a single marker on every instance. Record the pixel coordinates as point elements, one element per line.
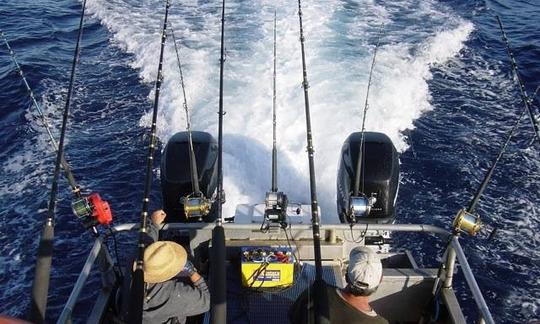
<point>338,57</point>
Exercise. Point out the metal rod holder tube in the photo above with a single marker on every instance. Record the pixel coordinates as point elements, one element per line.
<point>450,266</point>
<point>65,316</point>
<point>471,281</point>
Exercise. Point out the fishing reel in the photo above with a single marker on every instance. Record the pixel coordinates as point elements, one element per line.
<point>196,206</point>
<point>360,206</point>
<point>92,210</point>
<point>467,223</point>
<point>275,207</point>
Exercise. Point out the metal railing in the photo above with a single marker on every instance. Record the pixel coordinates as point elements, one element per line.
<point>65,316</point>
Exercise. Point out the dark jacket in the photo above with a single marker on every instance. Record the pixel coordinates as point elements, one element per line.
<point>336,310</point>
<point>175,299</point>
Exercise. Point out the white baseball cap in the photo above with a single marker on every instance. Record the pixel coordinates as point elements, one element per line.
<point>365,267</point>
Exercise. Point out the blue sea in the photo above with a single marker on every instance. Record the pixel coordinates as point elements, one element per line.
<point>442,90</point>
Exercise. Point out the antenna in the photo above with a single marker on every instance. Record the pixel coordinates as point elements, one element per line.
<point>359,204</point>
<point>275,201</point>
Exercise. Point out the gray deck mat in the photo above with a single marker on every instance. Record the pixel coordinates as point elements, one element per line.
<point>249,305</point>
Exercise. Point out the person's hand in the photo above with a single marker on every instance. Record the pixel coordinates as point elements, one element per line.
<point>158,216</point>
<point>189,269</point>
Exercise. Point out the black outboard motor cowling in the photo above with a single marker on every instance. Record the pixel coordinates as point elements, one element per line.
<point>176,174</point>
<point>380,175</point>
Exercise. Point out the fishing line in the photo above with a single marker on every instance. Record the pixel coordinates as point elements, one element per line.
<point>361,151</point>
<point>117,255</point>
<point>192,159</point>
<point>472,206</point>
<point>296,260</point>
<point>362,234</point>
<point>64,164</point>
<point>524,97</point>
<point>411,143</point>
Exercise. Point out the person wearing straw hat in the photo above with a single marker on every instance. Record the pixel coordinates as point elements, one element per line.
<point>351,304</point>
<point>169,298</point>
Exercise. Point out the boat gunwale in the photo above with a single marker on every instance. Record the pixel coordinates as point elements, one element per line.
<point>454,244</point>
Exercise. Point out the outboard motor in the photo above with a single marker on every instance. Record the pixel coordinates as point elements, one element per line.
<point>380,178</point>
<point>176,175</point>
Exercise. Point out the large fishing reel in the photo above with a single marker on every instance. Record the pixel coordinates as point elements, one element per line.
<point>467,223</point>
<point>92,210</point>
<point>360,206</point>
<point>196,206</point>
<point>275,208</point>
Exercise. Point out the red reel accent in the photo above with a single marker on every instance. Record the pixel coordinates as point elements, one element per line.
<point>101,211</point>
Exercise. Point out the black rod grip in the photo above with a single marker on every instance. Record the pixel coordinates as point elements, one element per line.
<point>218,277</point>
<point>40,286</point>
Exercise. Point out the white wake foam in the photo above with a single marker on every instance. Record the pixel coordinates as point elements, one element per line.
<point>338,80</point>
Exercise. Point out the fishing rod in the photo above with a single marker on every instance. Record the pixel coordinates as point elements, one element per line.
<point>64,164</point>
<point>91,209</point>
<point>360,205</point>
<point>274,149</point>
<point>466,221</point>
<point>319,300</point>
<point>527,101</point>
<point>275,201</point>
<point>192,159</point>
<point>137,287</point>
<point>196,205</point>
<point>40,285</point>
<point>218,282</point>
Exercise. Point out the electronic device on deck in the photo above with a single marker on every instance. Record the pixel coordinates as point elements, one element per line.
<point>267,266</point>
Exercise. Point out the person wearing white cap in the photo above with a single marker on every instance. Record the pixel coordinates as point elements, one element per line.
<point>351,304</point>
<point>173,288</point>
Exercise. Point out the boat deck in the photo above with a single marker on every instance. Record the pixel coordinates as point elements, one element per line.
<point>401,298</point>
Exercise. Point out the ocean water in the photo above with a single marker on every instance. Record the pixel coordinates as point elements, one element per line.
<point>442,89</point>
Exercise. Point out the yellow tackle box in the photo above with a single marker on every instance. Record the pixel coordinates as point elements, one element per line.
<point>266,267</point>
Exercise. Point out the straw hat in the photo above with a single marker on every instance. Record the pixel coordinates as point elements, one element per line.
<point>163,260</point>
